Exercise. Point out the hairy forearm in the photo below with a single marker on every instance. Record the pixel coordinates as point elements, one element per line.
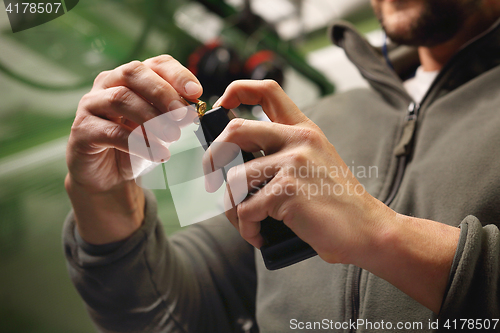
<point>415,255</point>
<point>106,217</point>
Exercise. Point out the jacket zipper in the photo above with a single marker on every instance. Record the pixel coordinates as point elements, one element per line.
<point>401,151</point>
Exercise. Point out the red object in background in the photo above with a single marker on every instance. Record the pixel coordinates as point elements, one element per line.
<point>258,58</point>
<point>217,65</point>
<point>264,65</point>
<point>195,57</point>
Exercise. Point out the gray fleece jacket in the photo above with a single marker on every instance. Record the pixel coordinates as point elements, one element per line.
<point>441,161</point>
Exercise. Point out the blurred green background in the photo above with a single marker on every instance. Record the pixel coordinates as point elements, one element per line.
<point>44,71</point>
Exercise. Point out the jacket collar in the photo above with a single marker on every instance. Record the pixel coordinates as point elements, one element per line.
<point>475,58</point>
<point>370,64</point>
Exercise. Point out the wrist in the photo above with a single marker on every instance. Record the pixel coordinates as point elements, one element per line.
<point>414,255</point>
<point>380,235</point>
<point>107,216</point>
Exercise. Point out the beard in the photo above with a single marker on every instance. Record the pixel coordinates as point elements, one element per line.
<point>436,22</point>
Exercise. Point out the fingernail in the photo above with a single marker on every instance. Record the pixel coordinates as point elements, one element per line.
<point>176,110</point>
<point>192,88</point>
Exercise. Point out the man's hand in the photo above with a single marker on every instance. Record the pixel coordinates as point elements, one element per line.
<point>301,180</point>
<point>108,205</point>
<point>304,182</point>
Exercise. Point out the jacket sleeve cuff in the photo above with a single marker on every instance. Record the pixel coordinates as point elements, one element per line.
<point>85,254</point>
<point>474,275</point>
<point>464,227</point>
<point>97,250</point>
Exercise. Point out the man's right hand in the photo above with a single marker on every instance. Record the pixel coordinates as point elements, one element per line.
<point>107,203</point>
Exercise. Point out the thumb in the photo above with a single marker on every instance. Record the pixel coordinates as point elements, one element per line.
<point>266,93</point>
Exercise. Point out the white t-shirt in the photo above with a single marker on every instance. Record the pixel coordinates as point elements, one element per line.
<point>418,85</point>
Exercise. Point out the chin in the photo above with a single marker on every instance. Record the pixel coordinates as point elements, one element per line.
<point>398,22</point>
<point>425,22</point>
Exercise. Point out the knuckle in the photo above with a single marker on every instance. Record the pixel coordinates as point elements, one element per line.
<point>156,63</point>
<point>159,91</point>
<point>234,85</point>
<point>85,100</point>
<point>271,85</point>
<point>161,59</point>
<point>180,75</point>
<point>310,136</point>
<point>132,69</point>
<point>79,136</point>
<point>114,132</point>
<point>78,123</point>
<point>234,125</point>
<point>247,234</point>
<point>297,159</point>
<point>100,77</point>
<point>119,96</point>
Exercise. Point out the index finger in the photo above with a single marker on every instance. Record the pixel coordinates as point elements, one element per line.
<point>253,136</point>
<point>179,77</point>
<point>268,94</point>
<point>146,83</point>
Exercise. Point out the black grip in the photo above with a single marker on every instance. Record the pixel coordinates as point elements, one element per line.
<point>281,247</point>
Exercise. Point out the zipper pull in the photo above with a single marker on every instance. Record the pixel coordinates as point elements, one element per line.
<point>403,147</point>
